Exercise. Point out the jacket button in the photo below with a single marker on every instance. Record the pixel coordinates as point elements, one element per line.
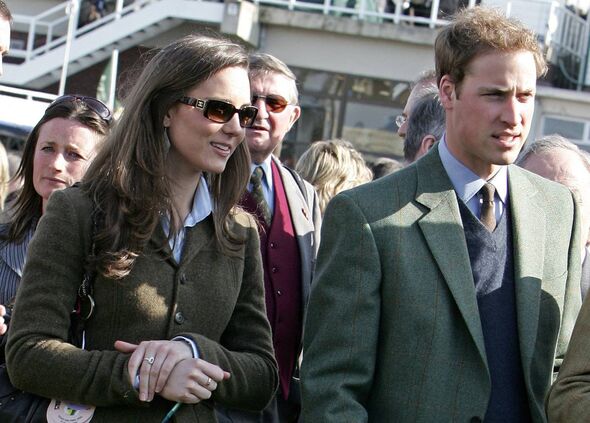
<point>279,293</point>
<point>179,318</point>
<point>275,269</point>
<point>183,278</point>
<point>476,420</point>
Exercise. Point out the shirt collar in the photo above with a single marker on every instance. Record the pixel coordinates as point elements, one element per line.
<point>266,166</point>
<point>466,183</point>
<point>202,207</point>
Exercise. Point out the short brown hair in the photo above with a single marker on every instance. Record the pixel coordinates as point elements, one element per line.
<point>264,63</point>
<point>478,31</point>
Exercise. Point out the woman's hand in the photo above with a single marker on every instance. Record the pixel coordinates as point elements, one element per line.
<point>153,361</point>
<point>192,381</point>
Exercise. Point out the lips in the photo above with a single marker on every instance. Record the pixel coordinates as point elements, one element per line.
<point>258,128</point>
<point>56,181</point>
<point>223,147</point>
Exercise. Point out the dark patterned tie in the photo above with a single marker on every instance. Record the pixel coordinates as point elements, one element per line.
<point>258,194</point>
<point>487,217</point>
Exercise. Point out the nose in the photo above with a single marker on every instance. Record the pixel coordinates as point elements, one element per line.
<point>401,131</point>
<point>59,163</point>
<point>232,127</point>
<point>511,113</point>
<point>261,105</point>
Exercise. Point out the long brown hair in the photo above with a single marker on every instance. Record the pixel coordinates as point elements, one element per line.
<point>127,181</point>
<point>27,207</point>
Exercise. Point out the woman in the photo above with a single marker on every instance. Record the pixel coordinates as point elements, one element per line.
<point>179,313</point>
<point>56,155</point>
<point>332,166</point>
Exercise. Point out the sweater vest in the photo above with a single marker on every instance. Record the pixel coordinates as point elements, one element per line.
<point>492,265</point>
<point>282,279</point>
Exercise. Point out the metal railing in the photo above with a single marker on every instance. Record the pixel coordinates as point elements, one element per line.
<point>49,28</point>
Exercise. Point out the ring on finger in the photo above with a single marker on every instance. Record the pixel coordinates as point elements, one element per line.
<point>150,360</point>
<point>208,381</point>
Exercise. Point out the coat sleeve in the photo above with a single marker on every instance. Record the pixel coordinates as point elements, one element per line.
<point>569,397</point>
<point>245,348</point>
<point>39,358</point>
<point>342,326</point>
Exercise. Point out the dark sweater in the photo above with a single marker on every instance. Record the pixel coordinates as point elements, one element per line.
<point>491,260</point>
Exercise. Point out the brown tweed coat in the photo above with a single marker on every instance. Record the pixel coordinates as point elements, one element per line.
<point>215,299</point>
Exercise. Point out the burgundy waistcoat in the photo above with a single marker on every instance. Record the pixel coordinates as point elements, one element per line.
<point>282,279</point>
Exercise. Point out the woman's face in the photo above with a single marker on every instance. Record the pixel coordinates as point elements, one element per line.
<point>63,152</point>
<point>198,144</point>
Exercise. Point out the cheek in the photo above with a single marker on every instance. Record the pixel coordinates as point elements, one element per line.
<point>76,170</point>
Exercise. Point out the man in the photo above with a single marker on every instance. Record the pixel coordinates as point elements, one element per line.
<point>425,82</point>
<point>425,125</point>
<point>5,19</point>
<point>428,303</point>
<point>288,212</point>
<point>555,158</point>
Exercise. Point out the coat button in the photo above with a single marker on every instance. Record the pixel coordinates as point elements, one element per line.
<point>179,318</point>
<point>279,293</point>
<point>183,278</point>
<point>274,269</point>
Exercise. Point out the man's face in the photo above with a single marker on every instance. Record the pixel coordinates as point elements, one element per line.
<point>488,116</point>
<point>415,94</point>
<point>4,39</point>
<point>566,167</point>
<point>270,127</point>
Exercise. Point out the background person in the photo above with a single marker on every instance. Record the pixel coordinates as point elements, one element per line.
<point>557,159</point>
<point>179,287</point>
<point>287,209</point>
<point>56,155</point>
<point>332,166</point>
<point>384,166</point>
<point>426,82</point>
<point>425,126</point>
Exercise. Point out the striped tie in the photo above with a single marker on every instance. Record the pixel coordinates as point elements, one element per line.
<point>258,194</point>
<point>488,217</point>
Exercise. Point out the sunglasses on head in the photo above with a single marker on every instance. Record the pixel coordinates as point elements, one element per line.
<point>92,103</point>
<point>274,103</point>
<point>221,111</point>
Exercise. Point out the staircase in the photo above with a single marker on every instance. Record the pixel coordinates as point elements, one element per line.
<point>92,43</point>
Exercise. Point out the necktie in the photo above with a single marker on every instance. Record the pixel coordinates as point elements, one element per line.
<point>487,217</point>
<point>258,194</point>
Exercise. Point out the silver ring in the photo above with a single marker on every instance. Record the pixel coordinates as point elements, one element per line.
<point>208,381</point>
<point>150,360</point>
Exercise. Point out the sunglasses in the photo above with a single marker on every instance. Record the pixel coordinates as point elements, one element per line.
<point>274,103</point>
<point>92,103</point>
<point>221,111</point>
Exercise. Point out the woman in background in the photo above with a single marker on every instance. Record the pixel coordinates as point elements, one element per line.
<point>332,166</point>
<point>179,284</point>
<point>56,155</point>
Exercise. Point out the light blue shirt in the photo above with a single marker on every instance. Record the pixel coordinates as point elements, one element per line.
<point>202,207</point>
<point>467,184</point>
<point>267,186</point>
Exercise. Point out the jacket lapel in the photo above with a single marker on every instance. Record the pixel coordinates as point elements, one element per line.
<point>528,229</point>
<point>443,230</point>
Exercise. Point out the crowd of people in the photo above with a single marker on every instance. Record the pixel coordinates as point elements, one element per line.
<point>217,284</point>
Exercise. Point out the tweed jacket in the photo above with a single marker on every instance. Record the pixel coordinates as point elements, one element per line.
<point>393,330</point>
<point>307,218</point>
<point>215,299</point>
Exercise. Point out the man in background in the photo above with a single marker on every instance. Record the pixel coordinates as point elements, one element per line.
<point>426,82</point>
<point>555,158</point>
<point>288,213</point>
<point>425,126</point>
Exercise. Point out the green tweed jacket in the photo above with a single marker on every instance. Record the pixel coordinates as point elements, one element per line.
<point>215,299</point>
<point>393,331</point>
